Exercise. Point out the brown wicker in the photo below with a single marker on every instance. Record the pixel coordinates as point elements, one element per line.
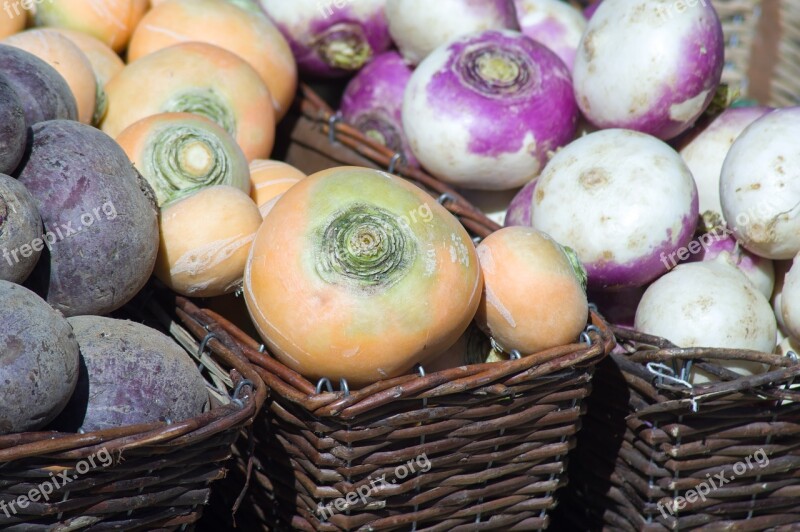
<point>647,442</point>
<point>144,477</point>
<point>495,435</point>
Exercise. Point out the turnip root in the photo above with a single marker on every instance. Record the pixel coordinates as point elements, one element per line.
<point>705,153</point>
<point>781,269</point>
<point>130,374</point>
<point>99,214</point>
<point>554,23</point>
<point>44,94</point>
<point>760,185</point>
<point>20,231</point>
<point>473,347</point>
<point>624,201</point>
<point>269,179</point>
<point>486,111</point>
<point>12,127</point>
<point>418,27</point>
<point>518,262</point>
<point>519,210</point>
<point>709,304</point>
<point>111,21</point>
<point>38,360</point>
<point>649,65</point>
<point>205,240</point>
<point>181,153</point>
<point>11,21</point>
<point>790,300</point>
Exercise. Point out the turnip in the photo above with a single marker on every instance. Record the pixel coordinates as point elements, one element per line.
<point>20,228</point>
<point>111,21</point>
<point>68,60</point>
<point>624,201</point>
<point>519,210</point>
<point>331,38</point>
<point>269,179</point>
<point>760,185</point>
<point>12,127</point>
<point>181,153</point>
<point>618,306</point>
<point>554,23</point>
<point>418,27</point>
<point>205,240</point>
<point>11,21</point>
<point>130,374</point>
<point>473,347</point>
<point>42,91</point>
<point>719,243</point>
<point>99,214</point>
<point>705,153</point>
<point>373,102</point>
<point>359,274</point>
<point>782,267</point>
<point>250,36</point>
<point>105,62</point>
<point>516,257</point>
<point>38,360</point>
<point>709,304</point>
<point>485,111</point>
<point>235,97</point>
<point>649,65</point>
<point>790,300</point>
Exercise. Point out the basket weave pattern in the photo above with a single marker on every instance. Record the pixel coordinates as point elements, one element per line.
<point>647,441</point>
<point>143,477</point>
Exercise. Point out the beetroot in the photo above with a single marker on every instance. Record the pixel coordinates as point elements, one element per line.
<point>12,127</point>
<point>100,219</point>
<point>130,374</point>
<point>38,360</point>
<point>44,94</point>
<point>20,231</point>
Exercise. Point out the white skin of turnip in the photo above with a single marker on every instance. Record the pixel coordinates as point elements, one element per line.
<point>554,23</point>
<point>781,269</point>
<point>709,304</point>
<point>649,65</point>
<point>624,201</point>
<point>760,185</point>
<point>790,300</point>
<point>418,27</point>
<point>705,153</point>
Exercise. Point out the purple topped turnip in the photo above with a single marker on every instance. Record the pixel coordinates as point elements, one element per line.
<point>99,214</point>
<point>418,27</point>
<point>649,66</point>
<point>38,360</point>
<point>554,23</point>
<point>12,127</point>
<point>760,185</point>
<point>373,102</point>
<point>705,153</point>
<point>44,94</point>
<point>519,210</point>
<point>331,38</point>
<point>624,201</point>
<point>20,231</point>
<point>486,111</point>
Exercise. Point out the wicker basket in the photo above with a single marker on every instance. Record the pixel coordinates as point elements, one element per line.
<point>651,444</point>
<point>479,447</point>
<point>145,477</point>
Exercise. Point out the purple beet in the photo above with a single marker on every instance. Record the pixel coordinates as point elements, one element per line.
<point>373,102</point>
<point>21,241</point>
<point>130,374</point>
<point>12,127</point>
<point>42,91</point>
<point>100,219</point>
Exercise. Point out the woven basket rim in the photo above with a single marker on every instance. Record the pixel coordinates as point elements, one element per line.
<point>249,391</point>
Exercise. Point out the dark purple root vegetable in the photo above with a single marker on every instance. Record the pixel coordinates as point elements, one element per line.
<point>20,231</point>
<point>12,127</point>
<point>38,360</point>
<point>42,91</point>
<point>130,374</point>
<point>100,219</point>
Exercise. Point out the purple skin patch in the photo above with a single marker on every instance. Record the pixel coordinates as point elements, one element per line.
<point>699,72</point>
<point>591,8</point>
<point>618,307</point>
<point>498,120</point>
<point>373,100</point>
<point>489,9</point>
<point>612,275</point>
<point>520,209</point>
<point>373,30</point>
